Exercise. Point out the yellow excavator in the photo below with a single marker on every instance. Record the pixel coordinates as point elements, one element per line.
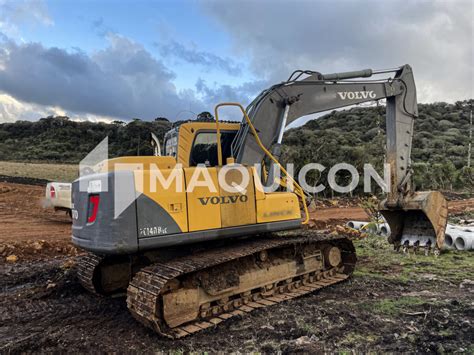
<point>192,244</point>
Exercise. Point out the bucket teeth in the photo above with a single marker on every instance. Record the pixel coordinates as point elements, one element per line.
<point>420,219</point>
<point>416,244</point>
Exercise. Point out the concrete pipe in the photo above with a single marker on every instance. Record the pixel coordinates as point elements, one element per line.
<point>383,229</point>
<point>459,237</point>
<point>356,224</point>
<point>464,242</point>
<point>448,241</point>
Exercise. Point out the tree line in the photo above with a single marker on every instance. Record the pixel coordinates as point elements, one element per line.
<point>356,136</point>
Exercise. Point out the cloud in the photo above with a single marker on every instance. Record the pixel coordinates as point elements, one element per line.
<point>204,59</point>
<point>122,80</point>
<point>435,37</point>
<point>14,14</point>
<point>218,93</point>
<point>12,110</point>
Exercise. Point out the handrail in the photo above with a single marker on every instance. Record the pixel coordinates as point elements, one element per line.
<point>299,189</point>
<point>218,135</point>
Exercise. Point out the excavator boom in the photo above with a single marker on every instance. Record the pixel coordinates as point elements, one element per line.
<point>416,219</point>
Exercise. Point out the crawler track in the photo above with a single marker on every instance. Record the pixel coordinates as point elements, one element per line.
<point>87,266</point>
<point>159,295</point>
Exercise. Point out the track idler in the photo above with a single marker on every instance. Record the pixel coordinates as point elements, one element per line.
<point>418,223</point>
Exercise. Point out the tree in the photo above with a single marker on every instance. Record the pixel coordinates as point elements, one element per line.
<point>470,138</point>
<point>205,116</point>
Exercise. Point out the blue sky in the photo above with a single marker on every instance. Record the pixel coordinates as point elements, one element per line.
<point>85,25</point>
<point>122,59</point>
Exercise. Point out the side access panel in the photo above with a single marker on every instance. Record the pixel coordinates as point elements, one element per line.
<point>278,206</point>
<point>204,210</point>
<point>238,209</point>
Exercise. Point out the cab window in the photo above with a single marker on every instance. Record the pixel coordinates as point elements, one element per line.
<point>204,150</point>
<point>171,146</point>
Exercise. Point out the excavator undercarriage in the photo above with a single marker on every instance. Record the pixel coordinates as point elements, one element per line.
<point>193,292</point>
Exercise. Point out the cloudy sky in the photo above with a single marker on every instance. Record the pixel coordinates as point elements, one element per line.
<point>124,59</point>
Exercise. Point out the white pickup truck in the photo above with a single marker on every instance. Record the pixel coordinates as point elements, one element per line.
<point>58,196</point>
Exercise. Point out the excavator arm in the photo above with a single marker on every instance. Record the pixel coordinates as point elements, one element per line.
<point>275,108</point>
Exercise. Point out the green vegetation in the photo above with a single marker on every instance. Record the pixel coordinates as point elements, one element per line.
<point>394,307</point>
<point>355,136</point>
<point>378,260</point>
<point>58,139</point>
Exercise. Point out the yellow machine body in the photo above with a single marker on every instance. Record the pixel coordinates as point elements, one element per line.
<point>202,208</point>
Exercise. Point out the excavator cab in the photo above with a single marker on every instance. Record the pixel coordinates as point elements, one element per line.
<point>195,142</point>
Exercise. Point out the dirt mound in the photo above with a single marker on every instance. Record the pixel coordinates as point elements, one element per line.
<point>35,249</point>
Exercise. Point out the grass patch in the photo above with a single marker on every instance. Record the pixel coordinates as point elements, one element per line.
<point>356,338</point>
<point>308,328</point>
<point>52,172</point>
<point>396,306</point>
<point>378,259</point>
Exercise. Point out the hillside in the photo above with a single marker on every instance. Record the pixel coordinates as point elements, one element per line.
<point>58,139</point>
<point>357,136</point>
<point>354,136</point>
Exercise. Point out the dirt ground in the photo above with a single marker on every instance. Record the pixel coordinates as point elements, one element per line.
<point>392,303</point>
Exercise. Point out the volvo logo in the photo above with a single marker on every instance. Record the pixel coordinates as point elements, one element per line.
<point>216,200</point>
<point>354,95</point>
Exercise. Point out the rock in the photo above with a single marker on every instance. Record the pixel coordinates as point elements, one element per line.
<point>427,276</point>
<point>12,258</point>
<point>267,327</point>
<point>50,285</point>
<point>37,246</point>
<point>68,264</point>
<point>423,293</point>
<point>304,340</point>
<point>466,283</point>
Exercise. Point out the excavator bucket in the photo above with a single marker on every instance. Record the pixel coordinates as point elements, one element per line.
<point>420,222</point>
